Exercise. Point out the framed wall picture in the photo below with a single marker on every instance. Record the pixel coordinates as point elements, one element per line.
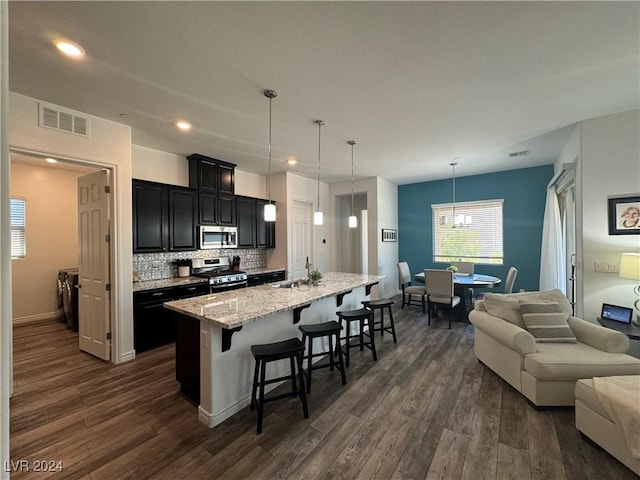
<point>624,215</point>
<point>389,235</point>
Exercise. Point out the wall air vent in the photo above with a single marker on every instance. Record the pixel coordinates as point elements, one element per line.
<point>521,153</point>
<point>62,119</point>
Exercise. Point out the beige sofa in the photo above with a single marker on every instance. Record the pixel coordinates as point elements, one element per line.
<point>597,422</point>
<point>545,373</point>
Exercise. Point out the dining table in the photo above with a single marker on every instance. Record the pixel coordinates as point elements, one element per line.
<point>463,285</point>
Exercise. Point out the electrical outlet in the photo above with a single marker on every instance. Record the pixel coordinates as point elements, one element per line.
<point>155,264</point>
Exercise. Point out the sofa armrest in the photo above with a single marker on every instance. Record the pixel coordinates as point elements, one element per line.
<point>599,337</point>
<point>508,334</point>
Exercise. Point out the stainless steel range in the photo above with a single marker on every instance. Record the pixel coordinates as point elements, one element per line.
<point>218,271</point>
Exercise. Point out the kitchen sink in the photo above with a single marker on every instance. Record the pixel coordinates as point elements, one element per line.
<point>290,283</point>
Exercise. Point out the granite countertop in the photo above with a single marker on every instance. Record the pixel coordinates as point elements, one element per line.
<point>167,282</point>
<point>239,307</point>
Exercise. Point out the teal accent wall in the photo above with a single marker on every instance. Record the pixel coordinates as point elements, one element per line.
<point>524,193</point>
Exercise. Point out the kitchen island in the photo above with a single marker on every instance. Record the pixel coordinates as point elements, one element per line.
<point>215,332</point>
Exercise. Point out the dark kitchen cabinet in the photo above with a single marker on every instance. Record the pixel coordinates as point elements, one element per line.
<point>153,324</point>
<point>262,278</point>
<point>265,231</point>
<point>183,211</point>
<point>246,217</point>
<point>253,231</point>
<point>150,217</point>
<point>164,217</point>
<point>215,182</point>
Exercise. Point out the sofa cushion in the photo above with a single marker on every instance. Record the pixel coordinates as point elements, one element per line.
<point>571,361</point>
<point>507,306</point>
<point>546,321</point>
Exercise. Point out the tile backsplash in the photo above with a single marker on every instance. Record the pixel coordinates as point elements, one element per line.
<point>156,266</point>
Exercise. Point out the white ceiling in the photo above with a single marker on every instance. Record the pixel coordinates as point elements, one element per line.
<point>415,83</point>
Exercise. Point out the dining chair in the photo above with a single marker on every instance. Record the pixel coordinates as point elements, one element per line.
<point>511,279</point>
<point>439,286</point>
<point>508,283</point>
<point>404,275</point>
<point>464,267</point>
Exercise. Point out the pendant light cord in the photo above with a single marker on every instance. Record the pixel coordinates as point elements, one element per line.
<point>270,100</point>
<point>320,124</point>
<point>352,143</point>
<point>270,94</point>
<point>453,167</point>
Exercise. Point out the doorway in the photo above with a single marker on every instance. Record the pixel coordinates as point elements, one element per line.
<point>50,193</point>
<point>301,252</point>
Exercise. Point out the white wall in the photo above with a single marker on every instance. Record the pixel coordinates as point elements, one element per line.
<point>109,145</point>
<point>158,166</point>
<point>610,165</point>
<point>51,237</point>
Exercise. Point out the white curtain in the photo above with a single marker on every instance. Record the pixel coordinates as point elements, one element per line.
<point>552,258</point>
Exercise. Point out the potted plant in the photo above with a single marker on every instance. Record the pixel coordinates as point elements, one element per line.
<point>315,276</point>
<point>183,265</point>
<point>452,268</point>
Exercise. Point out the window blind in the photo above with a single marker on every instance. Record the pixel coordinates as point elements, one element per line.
<point>18,223</point>
<point>474,235</point>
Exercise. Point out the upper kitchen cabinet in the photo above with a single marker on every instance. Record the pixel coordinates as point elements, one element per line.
<point>183,216</point>
<point>206,173</point>
<point>214,180</point>
<point>164,217</point>
<point>150,217</point>
<point>253,231</point>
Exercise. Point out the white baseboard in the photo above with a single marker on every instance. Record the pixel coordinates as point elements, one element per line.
<point>126,357</point>
<point>37,318</point>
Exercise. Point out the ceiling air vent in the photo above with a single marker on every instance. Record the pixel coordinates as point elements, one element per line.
<point>521,153</point>
<point>62,119</point>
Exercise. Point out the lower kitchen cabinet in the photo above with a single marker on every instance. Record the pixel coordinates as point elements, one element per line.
<point>154,325</point>
<point>262,278</point>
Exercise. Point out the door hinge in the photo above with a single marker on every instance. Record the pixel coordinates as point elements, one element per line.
<point>107,189</point>
<point>107,238</point>
<point>108,287</point>
<point>108,335</point>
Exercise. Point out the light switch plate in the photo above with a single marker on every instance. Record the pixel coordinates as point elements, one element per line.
<point>606,267</point>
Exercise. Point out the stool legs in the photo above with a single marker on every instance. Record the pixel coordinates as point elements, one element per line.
<point>371,344</point>
<point>259,381</point>
<point>331,364</point>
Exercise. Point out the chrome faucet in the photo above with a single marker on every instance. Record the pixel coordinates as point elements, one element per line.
<point>307,265</point>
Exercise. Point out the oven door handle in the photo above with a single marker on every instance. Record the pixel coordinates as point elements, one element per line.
<point>220,286</point>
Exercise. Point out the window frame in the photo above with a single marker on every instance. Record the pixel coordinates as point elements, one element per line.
<point>437,256</point>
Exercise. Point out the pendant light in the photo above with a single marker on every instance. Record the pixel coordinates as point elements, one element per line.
<point>353,220</point>
<point>318,217</point>
<point>270,208</point>
<point>460,220</point>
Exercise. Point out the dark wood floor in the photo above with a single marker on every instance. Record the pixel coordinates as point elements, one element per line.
<point>425,409</point>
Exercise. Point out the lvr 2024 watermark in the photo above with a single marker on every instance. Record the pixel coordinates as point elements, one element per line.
<point>33,466</point>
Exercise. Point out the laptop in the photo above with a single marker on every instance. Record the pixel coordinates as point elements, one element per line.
<point>616,312</point>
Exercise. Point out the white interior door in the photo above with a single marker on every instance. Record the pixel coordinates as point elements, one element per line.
<point>301,241</point>
<point>93,282</point>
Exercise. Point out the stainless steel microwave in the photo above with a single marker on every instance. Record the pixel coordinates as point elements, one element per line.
<point>217,237</point>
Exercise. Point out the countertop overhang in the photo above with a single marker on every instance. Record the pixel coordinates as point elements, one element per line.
<point>235,308</point>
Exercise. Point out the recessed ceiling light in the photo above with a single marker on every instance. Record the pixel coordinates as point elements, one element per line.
<point>292,161</point>
<point>183,125</point>
<point>70,49</point>
<point>50,160</point>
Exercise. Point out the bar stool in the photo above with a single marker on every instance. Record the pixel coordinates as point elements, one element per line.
<point>381,304</point>
<point>361,315</point>
<point>292,349</point>
<point>319,330</point>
